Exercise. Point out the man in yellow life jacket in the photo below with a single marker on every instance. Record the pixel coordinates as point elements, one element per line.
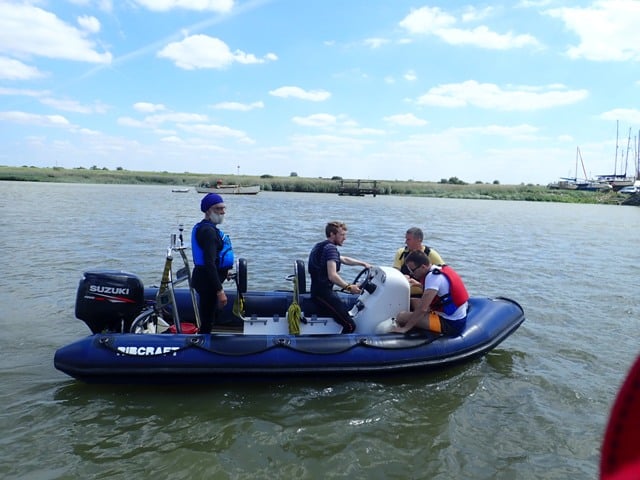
<point>442,308</point>
<point>413,242</point>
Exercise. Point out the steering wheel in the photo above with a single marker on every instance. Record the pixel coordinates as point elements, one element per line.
<point>366,273</point>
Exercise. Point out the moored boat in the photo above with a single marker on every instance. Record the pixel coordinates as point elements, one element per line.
<point>149,335</point>
<point>621,180</point>
<point>228,189</point>
<point>575,183</point>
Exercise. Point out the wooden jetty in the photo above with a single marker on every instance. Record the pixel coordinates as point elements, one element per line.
<point>358,188</point>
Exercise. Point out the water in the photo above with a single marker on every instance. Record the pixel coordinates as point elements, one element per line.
<point>536,407</point>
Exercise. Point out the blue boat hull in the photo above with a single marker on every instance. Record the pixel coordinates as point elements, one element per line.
<point>126,358</point>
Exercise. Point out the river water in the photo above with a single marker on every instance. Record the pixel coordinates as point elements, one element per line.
<point>536,407</point>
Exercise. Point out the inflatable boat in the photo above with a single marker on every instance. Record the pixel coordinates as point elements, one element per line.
<point>150,335</point>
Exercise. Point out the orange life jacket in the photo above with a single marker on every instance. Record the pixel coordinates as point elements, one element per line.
<point>457,295</point>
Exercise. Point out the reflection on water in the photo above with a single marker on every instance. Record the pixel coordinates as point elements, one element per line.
<point>533,408</point>
<point>295,423</point>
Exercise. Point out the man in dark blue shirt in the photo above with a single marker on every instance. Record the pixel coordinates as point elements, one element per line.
<point>324,265</point>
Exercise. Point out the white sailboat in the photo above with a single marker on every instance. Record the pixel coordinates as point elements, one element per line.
<point>575,183</point>
<point>621,180</point>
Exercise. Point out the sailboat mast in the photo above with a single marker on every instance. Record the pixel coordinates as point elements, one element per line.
<point>615,163</point>
<point>583,169</point>
<point>638,157</point>
<point>626,158</point>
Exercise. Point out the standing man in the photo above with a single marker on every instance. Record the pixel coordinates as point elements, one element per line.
<point>324,265</point>
<point>443,305</point>
<point>413,242</point>
<point>212,258</point>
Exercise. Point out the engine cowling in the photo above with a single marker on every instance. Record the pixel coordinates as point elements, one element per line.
<point>109,300</point>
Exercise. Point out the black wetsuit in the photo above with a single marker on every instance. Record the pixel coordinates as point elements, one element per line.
<point>207,277</point>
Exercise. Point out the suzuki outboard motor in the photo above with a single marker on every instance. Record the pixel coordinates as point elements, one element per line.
<point>109,300</point>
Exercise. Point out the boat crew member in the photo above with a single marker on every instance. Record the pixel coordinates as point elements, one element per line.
<point>413,242</point>
<point>442,308</point>
<point>212,258</point>
<point>324,265</point>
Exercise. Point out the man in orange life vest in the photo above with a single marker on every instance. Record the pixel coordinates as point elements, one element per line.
<point>443,305</point>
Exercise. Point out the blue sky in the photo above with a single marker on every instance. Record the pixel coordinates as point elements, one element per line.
<point>367,89</point>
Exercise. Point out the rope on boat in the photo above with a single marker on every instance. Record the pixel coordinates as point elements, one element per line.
<point>108,342</point>
<point>294,313</point>
<point>238,303</point>
<point>226,346</point>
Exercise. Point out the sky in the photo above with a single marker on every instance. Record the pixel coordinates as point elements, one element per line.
<point>513,91</point>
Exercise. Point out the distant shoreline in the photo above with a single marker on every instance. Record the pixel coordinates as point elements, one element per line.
<point>310,185</point>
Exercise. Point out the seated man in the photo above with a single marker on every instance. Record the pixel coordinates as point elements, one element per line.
<point>442,308</point>
<point>413,242</point>
<point>324,265</point>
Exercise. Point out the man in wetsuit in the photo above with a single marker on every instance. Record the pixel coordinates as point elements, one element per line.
<point>212,258</point>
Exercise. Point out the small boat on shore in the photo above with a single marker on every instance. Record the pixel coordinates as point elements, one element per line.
<point>228,189</point>
<point>149,335</point>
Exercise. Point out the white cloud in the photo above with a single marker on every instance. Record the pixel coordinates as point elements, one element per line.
<point>297,92</point>
<point>23,92</point>
<point>491,96</point>
<point>608,30</point>
<point>87,131</point>
<point>212,129</point>
<point>534,3</point>
<point>433,21</point>
<point>175,117</point>
<point>341,124</point>
<point>34,119</point>
<point>375,42</point>
<point>406,120</point>
<point>221,6</point>
<point>625,115</point>
<point>363,131</point>
<point>155,121</point>
<point>90,24</point>
<point>473,14</point>
<point>427,20</point>
<point>131,122</point>
<point>73,105</point>
<point>11,69</point>
<point>28,30</point>
<point>483,37</point>
<point>512,132</point>
<point>410,76</point>
<point>147,107</point>
<point>236,106</point>
<point>215,131</point>
<point>316,120</point>
<point>203,51</point>
<point>328,146</point>
<point>105,5</point>
<point>172,139</point>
